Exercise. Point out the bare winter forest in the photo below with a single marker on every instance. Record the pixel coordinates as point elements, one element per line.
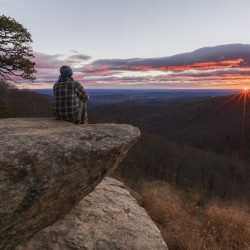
<point>190,167</point>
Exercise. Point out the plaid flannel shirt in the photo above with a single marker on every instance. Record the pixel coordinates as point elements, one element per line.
<point>67,95</point>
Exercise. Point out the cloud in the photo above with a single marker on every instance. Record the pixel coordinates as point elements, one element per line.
<point>48,66</point>
<point>79,57</point>
<point>46,61</point>
<point>223,56</point>
<point>220,66</point>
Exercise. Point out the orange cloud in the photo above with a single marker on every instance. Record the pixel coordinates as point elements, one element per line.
<point>193,66</point>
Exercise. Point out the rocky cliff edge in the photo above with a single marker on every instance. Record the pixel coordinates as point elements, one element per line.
<point>109,218</point>
<point>48,166</point>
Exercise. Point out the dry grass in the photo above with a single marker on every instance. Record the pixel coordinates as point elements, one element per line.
<point>185,225</point>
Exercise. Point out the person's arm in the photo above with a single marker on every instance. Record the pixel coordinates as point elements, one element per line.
<point>81,92</point>
<point>54,89</point>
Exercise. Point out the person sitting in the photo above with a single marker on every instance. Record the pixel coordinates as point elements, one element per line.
<point>70,98</point>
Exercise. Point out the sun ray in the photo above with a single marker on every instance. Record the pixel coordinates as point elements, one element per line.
<point>237,95</point>
<point>246,97</point>
<point>240,98</point>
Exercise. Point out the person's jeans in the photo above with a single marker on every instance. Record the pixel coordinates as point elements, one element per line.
<point>82,115</point>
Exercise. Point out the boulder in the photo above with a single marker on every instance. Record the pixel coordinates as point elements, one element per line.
<point>48,166</point>
<point>108,218</point>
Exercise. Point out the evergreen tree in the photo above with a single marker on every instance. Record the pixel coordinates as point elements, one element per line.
<point>15,50</point>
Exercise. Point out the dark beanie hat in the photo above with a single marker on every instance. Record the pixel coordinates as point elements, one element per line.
<point>66,71</point>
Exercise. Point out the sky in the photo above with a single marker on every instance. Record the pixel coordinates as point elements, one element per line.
<point>96,37</point>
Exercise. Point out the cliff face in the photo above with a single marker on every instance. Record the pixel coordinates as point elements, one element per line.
<point>48,166</point>
<point>108,218</point>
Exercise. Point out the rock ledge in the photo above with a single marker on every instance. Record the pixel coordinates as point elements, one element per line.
<point>48,166</point>
<point>108,218</point>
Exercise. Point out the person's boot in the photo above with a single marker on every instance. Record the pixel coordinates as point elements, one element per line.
<point>78,122</point>
<point>84,118</point>
<point>84,121</point>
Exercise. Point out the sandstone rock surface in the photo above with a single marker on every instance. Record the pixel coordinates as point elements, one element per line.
<point>48,166</point>
<point>107,219</point>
